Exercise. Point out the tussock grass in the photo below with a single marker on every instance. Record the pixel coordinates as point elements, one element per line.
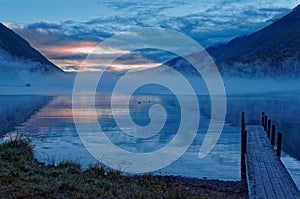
<point>22,176</point>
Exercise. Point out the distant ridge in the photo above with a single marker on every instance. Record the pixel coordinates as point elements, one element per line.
<point>18,47</point>
<point>275,47</point>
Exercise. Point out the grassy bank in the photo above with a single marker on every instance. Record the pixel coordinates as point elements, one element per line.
<point>22,176</point>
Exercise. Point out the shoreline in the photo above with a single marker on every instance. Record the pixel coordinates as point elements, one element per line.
<point>21,175</point>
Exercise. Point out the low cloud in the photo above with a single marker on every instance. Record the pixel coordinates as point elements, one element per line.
<point>210,23</point>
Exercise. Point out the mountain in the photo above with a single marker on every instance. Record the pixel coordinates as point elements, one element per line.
<point>274,49</point>
<point>15,50</point>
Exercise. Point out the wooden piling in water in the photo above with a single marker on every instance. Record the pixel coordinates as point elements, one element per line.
<point>243,125</point>
<point>243,146</point>
<point>265,124</point>
<point>243,157</point>
<point>269,129</point>
<point>273,135</point>
<point>263,118</point>
<point>279,142</point>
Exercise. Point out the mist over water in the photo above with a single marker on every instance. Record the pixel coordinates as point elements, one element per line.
<point>52,130</point>
<point>55,138</point>
<point>234,85</point>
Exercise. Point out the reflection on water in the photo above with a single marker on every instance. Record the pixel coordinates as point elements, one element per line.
<point>55,138</point>
<point>15,109</point>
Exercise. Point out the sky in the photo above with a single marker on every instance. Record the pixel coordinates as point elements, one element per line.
<point>66,31</point>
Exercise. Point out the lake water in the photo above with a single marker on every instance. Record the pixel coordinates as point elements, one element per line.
<point>55,138</point>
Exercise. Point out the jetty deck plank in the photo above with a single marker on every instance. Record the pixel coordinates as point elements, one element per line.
<point>267,177</point>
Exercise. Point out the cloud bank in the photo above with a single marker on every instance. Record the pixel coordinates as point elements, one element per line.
<point>209,23</point>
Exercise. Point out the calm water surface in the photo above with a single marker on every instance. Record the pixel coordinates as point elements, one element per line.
<point>55,138</point>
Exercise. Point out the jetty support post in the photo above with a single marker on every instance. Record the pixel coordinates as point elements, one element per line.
<point>273,135</point>
<point>263,118</point>
<point>279,144</point>
<point>269,129</point>
<point>243,146</point>
<point>266,122</point>
<point>243,124</point>
<point>243,154</point>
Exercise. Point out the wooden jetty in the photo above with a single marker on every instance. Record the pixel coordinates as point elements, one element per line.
<point>261,166</point>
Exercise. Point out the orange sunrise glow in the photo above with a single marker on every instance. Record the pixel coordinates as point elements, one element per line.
<point>77,49</point>
<point>87,49</point>
<point>82,48</point>
<point>101,57</point>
